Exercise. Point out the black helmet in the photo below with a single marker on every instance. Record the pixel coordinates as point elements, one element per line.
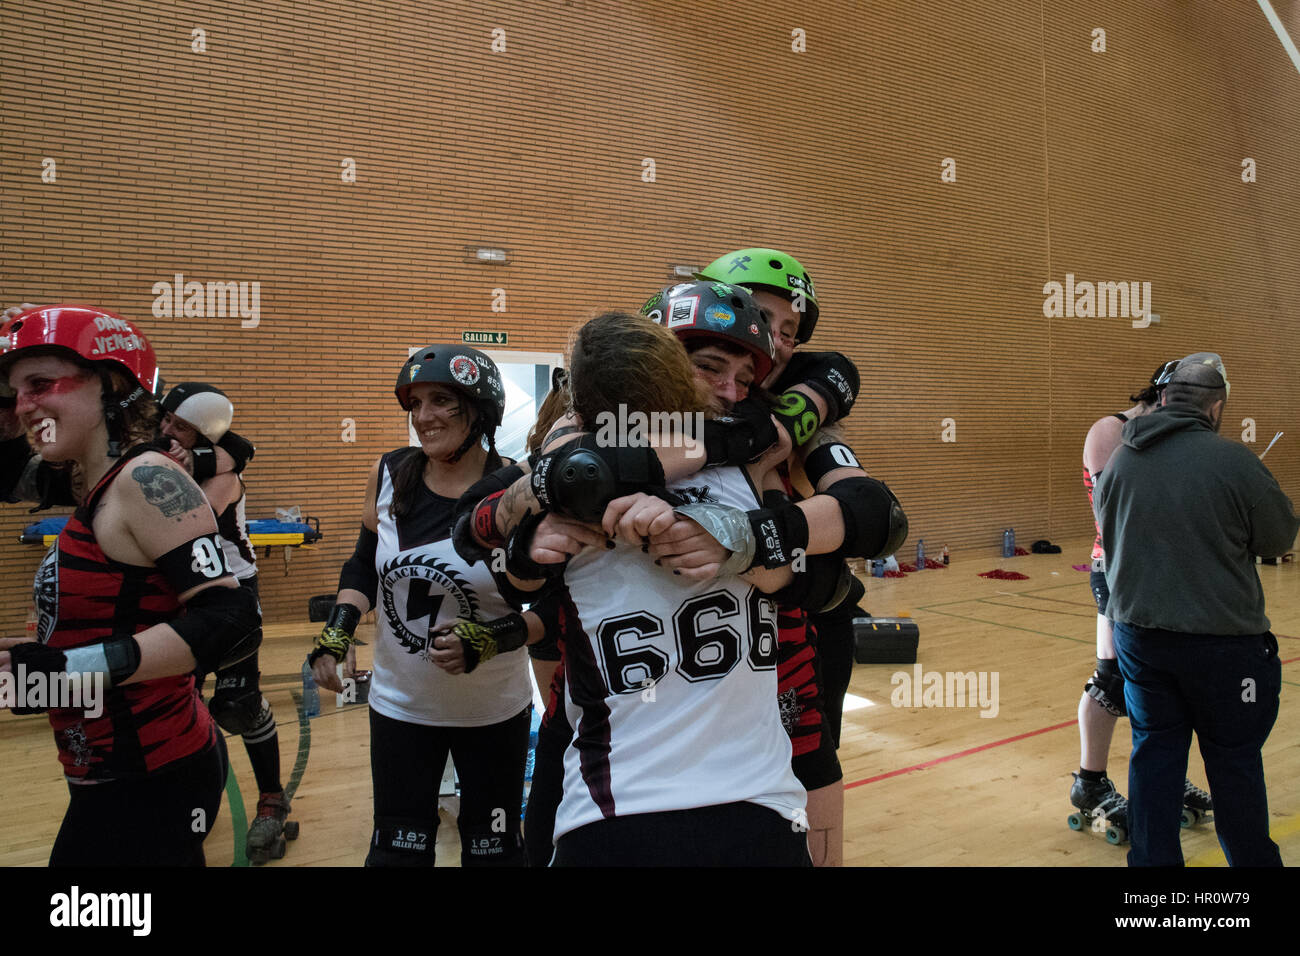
<point>204,406</point>
<point>715,310</point>
<point>465,369</point>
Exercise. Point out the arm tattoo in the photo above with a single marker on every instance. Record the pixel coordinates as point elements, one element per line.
<point>165,489</point>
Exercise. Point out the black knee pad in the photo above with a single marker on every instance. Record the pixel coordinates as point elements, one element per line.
<point>402,842</point>
<point>1100,592</point>
<point>237,703</point>
<point>241,712</point>
<point>483,844</point>
<point>1107,687</point>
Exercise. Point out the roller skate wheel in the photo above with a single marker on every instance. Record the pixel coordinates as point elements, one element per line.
<point>1190,817</point>
<point>291,829</point>
<point>258,857</point>
<point>1076,821</point>
<point>1116,835</point>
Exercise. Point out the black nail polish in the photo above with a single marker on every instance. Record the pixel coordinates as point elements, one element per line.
<point>645,549</point>
<point>675,571</point>
<point>609,544</point>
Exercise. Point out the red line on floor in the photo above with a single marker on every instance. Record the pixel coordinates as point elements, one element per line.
<point>1290,660</point>
<point>961,753</point>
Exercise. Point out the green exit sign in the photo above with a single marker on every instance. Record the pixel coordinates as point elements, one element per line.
<point>483,338</point>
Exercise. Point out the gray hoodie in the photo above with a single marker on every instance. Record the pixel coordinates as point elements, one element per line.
<point>1183,512</point>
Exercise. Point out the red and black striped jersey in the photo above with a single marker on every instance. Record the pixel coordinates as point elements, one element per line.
<point>85,597</point>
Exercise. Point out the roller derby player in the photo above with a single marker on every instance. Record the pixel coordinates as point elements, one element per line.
<point>141,548</point>
<point>197,419</point>
<point>405,567</point>
<point>1102,703</point>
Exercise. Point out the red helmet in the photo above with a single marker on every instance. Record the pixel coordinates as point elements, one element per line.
<point>95,335</point>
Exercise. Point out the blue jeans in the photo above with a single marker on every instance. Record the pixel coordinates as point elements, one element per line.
<point>1227,689</point>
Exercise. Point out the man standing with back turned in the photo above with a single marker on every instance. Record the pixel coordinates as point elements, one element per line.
<point>1183,513</point>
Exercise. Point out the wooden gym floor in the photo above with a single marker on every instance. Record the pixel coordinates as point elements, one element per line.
<point>924,786</point>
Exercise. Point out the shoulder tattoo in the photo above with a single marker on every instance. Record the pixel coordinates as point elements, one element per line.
<point>165,490</point>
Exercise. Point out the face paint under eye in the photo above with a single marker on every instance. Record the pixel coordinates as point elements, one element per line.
<point>41,387</point>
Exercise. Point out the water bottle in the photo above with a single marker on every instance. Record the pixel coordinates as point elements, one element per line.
<point>1008,542</point>
<point>310,695</point>
<point>920,555</point>
<point>878,568</point>
<point>945,555</point>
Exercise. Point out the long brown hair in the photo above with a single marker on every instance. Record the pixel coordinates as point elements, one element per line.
<point>621,359</point>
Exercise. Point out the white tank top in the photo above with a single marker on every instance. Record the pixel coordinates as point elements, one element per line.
<point>670,686</point>
<point>428,579</point>
<point>239,567</point>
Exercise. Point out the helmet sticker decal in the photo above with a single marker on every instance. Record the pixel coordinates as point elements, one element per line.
<point>464,369</point>
<point>718,316</point>
<point>682,311</point>
<point>415,370</point>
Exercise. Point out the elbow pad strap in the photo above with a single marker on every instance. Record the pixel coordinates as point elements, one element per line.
<point>826,459</point>
<point>359,572</point>
<point>222,627</point>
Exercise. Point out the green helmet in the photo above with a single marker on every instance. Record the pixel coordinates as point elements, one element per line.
<point>772,270</point>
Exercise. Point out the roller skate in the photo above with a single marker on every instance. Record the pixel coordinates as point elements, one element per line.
<point>269,831</point>
<point>1101,808</point>
<point>1196,804</point>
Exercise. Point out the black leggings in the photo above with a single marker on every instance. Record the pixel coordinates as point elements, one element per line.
<point>547,788</point>
<point>159,819</point>
<point>729,834</point>
<point>406,764</point>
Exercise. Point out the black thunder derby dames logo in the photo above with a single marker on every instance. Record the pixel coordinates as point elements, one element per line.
<point>414,588</point>
<point>45,593</point>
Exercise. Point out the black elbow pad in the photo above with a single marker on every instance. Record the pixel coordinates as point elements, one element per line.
<point>822,584</point>
<point>239,448</point>
<point>875,525</point>
<point>222,627</point>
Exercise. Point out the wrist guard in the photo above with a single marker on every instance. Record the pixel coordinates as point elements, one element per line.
<point>730,527</point>
<point>484,640</point>
<point>336,637</point>
<point>518,544</point>
<point>580,479</point>
<point>780,530</point>
<point>740,437</point>
<point>116,660</point>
